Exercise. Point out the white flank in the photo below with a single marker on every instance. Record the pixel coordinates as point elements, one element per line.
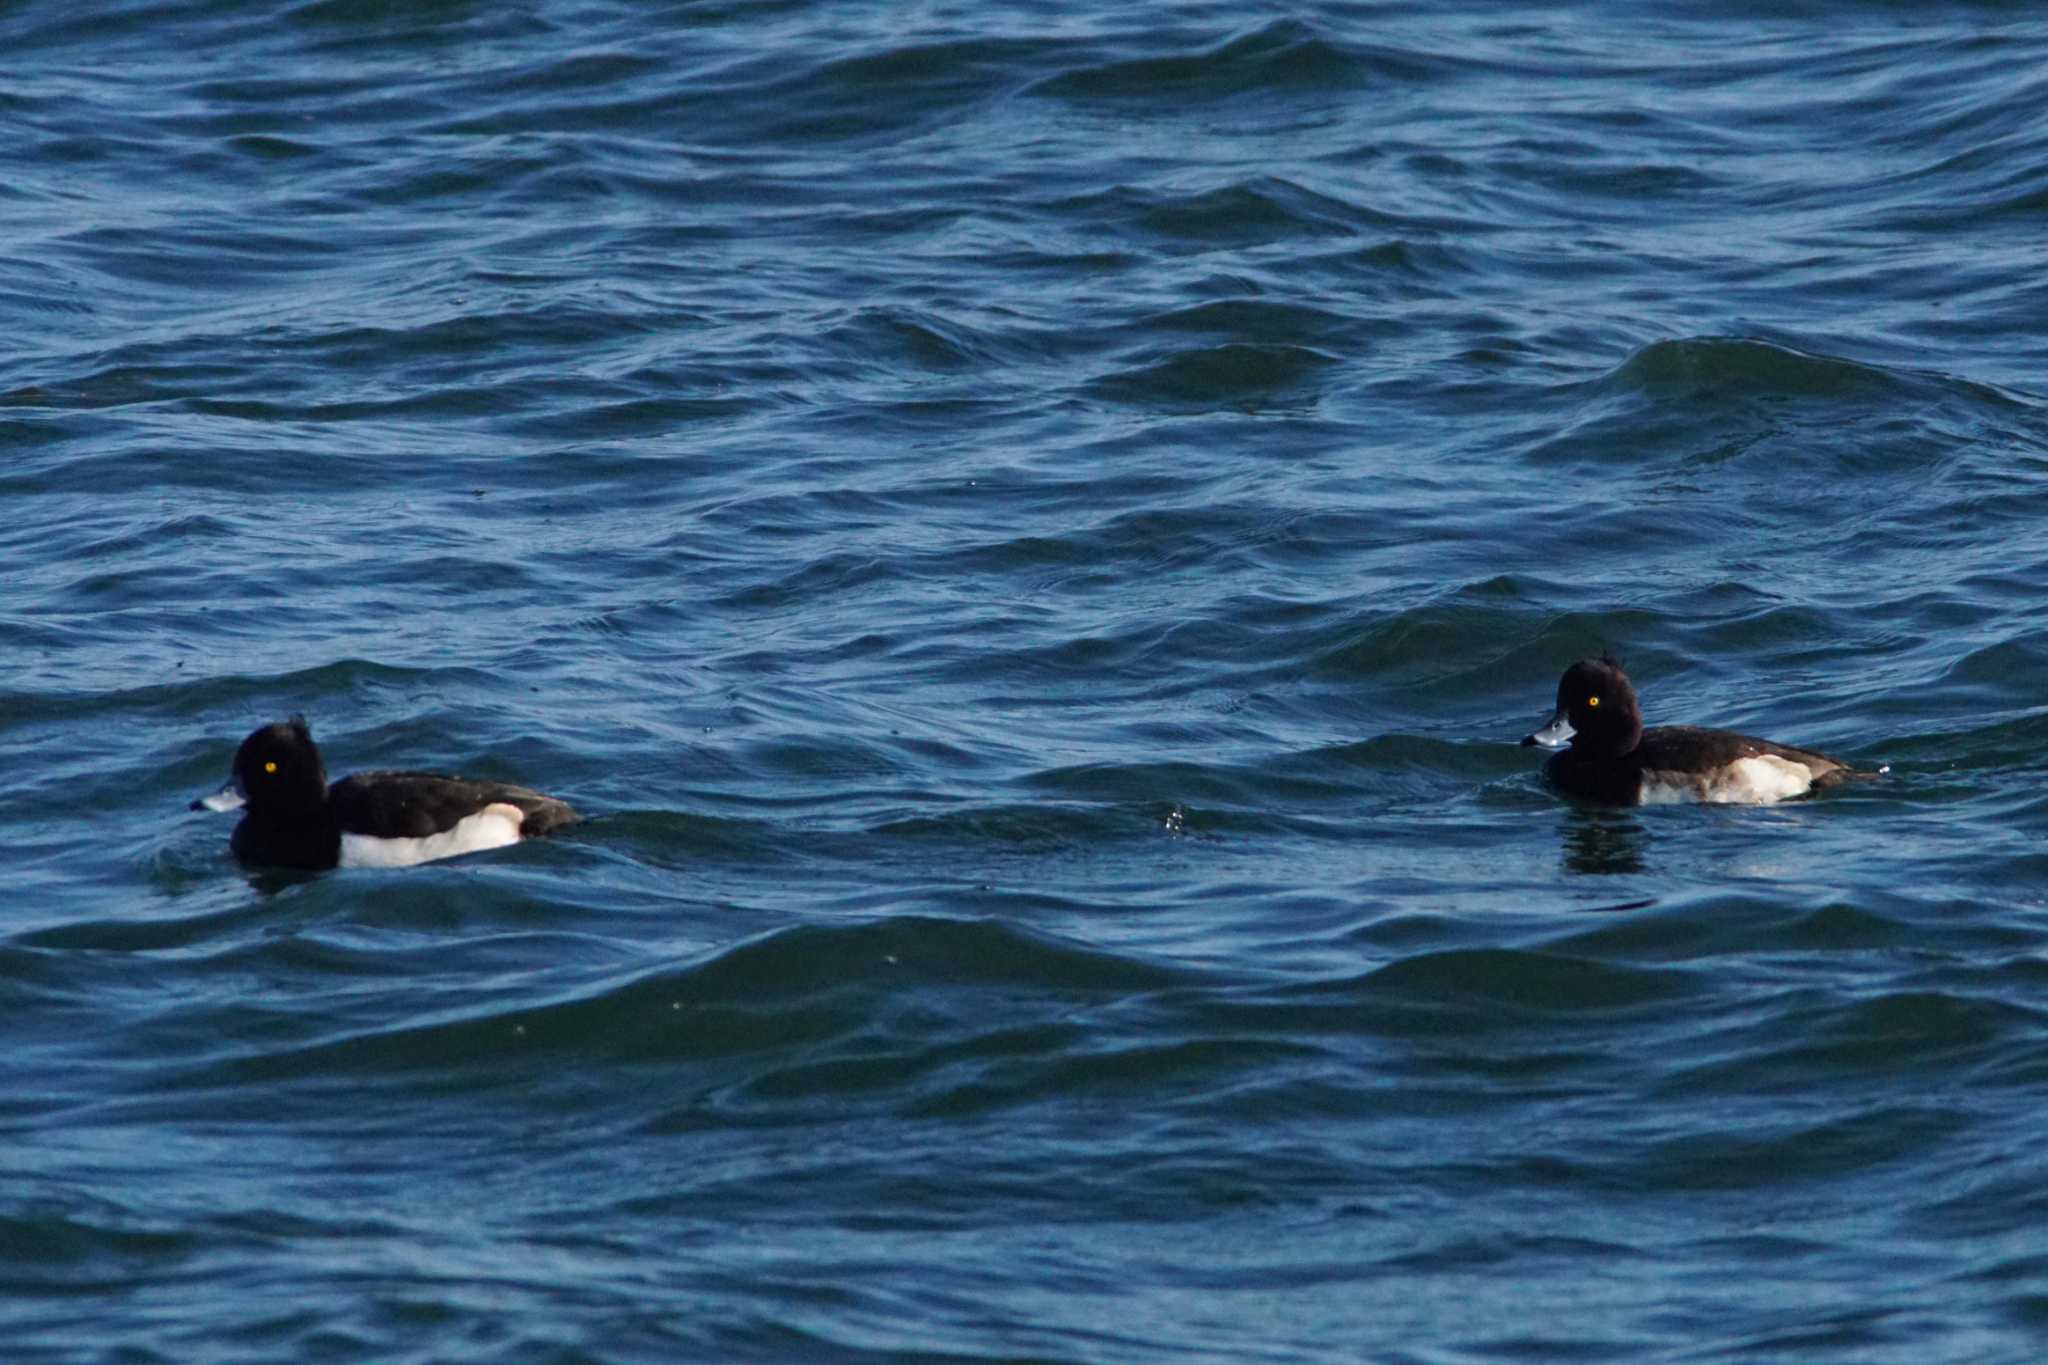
<point>1747,781</point>
<point>492,827</point>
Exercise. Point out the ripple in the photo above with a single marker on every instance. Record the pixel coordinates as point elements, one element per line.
<point>1231,373</point>
<point>1285,54</point>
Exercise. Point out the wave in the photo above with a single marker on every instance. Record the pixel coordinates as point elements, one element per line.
<point>792,988</point>
<point>1285,54</point>
<point>1235,373</point>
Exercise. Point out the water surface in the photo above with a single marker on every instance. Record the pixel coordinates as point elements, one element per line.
<point>1032,535</point>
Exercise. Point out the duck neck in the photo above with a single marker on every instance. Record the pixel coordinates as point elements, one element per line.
<point>1609,742</point>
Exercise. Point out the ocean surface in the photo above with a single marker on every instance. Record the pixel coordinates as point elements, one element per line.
<point>1032,533</point>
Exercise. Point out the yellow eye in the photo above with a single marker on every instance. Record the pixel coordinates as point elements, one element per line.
<point>1592,701</point>
<point>270,766</point>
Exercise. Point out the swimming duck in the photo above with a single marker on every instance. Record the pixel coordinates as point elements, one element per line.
<point>376,819</point>
<point>1613,758</point>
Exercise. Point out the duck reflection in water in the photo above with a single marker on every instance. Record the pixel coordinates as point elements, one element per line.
<point>1603,842</point>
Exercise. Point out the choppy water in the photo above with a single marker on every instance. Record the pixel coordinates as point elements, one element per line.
<point>1033,533</point>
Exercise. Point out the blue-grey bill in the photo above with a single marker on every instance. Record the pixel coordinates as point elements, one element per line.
<point>227,798</point>
<point>1555,735</point>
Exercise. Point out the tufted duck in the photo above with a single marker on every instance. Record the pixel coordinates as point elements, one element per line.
<point>1613,758</point>
<point>294,819</point>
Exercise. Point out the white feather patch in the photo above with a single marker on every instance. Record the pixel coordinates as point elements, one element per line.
<point>492,827</point>
<point>1754,781</point>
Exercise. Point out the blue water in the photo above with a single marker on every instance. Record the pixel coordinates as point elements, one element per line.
<point>1032,534</point>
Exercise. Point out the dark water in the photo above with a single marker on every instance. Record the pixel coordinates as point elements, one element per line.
<point>1033,533</point>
